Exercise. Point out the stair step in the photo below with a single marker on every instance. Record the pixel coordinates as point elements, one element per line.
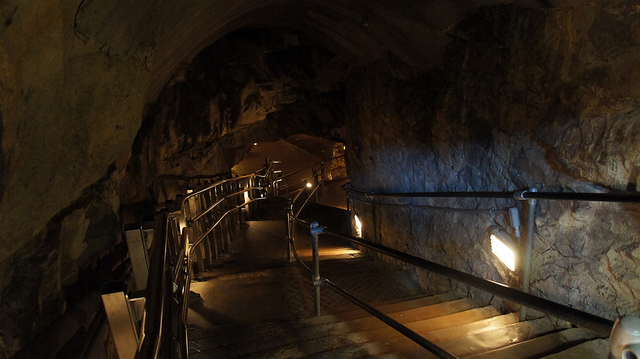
<point>437,329</point>
<point>541,346</point>
<point>302,341</point>
<point>489,339</point>
<point>391,306</point>
<point>397,304</point>
<point>593,349</point>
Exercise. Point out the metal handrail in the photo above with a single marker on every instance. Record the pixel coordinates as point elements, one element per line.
<point>626,197</point>
<point>599,325</point>
<point>204,235</point>
<point>172,266</point>
<point>415,337</point>
<point>151,340</point>
<point>319,281</point>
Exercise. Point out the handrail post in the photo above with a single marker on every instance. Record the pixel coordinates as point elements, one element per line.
<point>317,281</point>
<point>528,252</point>
<point>289,231</point>
<point>322,174</point>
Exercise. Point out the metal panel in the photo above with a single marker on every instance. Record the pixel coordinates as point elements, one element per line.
<point>138,253</point>
<point>116,306</point>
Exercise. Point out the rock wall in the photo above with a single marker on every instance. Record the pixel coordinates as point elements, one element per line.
<point>252,85</point>
<point>59,265</point>
<point>545,98</point>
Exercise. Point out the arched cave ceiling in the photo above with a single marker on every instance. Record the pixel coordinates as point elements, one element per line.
<point>167,33</point>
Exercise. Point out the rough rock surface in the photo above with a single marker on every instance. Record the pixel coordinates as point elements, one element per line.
<point>253,85</point>
<point>510,97</point>
<point>544,98</point>
<point>60,264</point>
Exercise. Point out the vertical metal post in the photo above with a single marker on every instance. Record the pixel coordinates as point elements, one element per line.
<point>317,282</point>
<point>289,231</point>
<point>322,174</point>
<point>375,220</point>
<point>528,252</point>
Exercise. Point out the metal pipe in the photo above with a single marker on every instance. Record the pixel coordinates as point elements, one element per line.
<point>190,221</point>
<point>626,197</point>
<point>316,230</point>
<point>196,243</point>
<point>528,252</point>
<point>417,338</point>
<point>307,200</point>
<point>597,324</point>
<point>289,231</point>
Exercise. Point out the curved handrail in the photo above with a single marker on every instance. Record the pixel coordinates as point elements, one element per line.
<point>151,341</point>
<point>599,325</point>
<point>173,258</point>
<point>595,323</point>
<point>318,281</point>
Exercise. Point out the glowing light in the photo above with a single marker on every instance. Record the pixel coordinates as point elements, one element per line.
<point>255,143</point>
<point>358,226</point>
<point>189,190</point>
<point>503,252</point>
<point>309,185</point>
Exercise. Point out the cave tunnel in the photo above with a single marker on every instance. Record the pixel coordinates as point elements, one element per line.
<point>111,111</point>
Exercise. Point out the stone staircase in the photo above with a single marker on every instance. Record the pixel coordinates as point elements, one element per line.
<point>455,323</point>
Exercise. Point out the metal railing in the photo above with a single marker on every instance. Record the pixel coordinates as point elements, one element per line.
<point>601,326</point>
<point>531,196</point>
<point>318,281</point>
<point>286,187</point>
<point>198,232</point>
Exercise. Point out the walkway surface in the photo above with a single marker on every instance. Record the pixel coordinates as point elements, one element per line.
<point>257,283</point>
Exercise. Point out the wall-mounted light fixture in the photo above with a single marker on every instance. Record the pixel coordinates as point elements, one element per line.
<point>358,226</point>
<point>502,247</point>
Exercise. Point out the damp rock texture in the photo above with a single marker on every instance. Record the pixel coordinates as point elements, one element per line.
<point>545,98</point>
<point>250,86</point>
<point>60,264</point>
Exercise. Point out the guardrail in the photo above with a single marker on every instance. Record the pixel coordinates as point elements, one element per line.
<point>196,233</point>
<point>599,325</point>
<point>293,219</point>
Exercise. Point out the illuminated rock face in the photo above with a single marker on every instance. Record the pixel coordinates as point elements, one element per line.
<point>434,96</point>
<point>545,99</point>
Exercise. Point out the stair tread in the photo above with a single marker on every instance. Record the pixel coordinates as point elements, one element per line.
<point>540,346</point>
<point>390,306</point>
<point>437,329</point>
<point>593,349</point>
<point>332,334</point>
<point>483,341</point>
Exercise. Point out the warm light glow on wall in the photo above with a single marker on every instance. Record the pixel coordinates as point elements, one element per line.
<point>503,252</point>
<point>358,226</point>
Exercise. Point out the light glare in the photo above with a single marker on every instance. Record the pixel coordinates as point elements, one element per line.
<point>358,226</point>
<point>309,185</point>
<point>503,252</point>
